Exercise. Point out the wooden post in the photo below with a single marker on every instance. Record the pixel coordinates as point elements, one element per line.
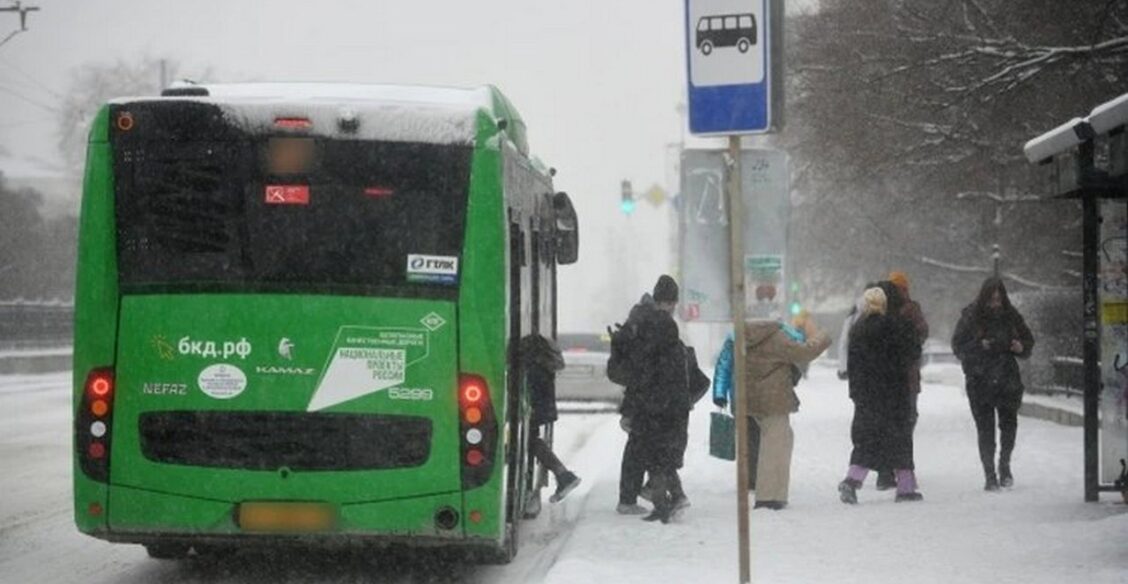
<point>740,396</point>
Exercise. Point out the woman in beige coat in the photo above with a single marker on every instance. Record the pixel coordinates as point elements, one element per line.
<point>773,349</point>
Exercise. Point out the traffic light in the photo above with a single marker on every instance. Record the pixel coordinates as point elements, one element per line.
<point>795,309</point>
<point>626,201</point>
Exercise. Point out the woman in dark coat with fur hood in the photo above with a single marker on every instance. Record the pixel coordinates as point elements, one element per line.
<point>882,346</point>
<point>989,338</point>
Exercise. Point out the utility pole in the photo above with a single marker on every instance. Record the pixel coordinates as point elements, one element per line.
<point>22,11</point>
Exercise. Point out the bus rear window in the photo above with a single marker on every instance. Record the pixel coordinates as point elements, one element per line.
<point>287,213</point>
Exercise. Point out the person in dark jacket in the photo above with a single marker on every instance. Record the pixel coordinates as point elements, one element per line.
<point>901,306</point>
<point>663,412</point>
<point>989,337</point>
<point>632,470</point>
<point>656,408</point>
<point>541,359</point>
<point>882,346</point>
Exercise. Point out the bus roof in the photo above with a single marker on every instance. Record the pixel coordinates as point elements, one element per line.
<point>387,112</point>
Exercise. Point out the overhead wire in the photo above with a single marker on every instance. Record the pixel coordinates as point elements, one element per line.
<point>30,78</point>
<point>29,100</point>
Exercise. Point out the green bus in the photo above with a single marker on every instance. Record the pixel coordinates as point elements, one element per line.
<point>296,317</point>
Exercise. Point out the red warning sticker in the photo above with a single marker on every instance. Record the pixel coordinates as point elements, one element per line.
<point>287,194</point>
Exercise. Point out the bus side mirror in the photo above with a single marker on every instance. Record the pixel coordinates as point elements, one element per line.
<point>567,229</point>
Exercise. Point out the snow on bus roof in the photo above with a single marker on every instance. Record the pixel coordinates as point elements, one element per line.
<point>433,95</point>
<point>398,113</point>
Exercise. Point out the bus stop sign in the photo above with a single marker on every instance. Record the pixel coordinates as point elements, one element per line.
<point>729,66</point>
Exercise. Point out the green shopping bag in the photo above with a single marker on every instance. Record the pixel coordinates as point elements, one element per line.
<point>722,436</point>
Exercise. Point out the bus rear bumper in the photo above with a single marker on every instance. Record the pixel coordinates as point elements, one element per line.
<point>146,517</point>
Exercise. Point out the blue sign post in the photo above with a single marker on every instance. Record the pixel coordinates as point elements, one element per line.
<point>728,66</point>
<point>729,73</point>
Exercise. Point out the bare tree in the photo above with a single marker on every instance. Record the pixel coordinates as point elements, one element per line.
<point>898,106</point>
<point>93,84</point>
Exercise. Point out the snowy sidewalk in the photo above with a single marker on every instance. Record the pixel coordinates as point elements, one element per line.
<point>1039,532</point>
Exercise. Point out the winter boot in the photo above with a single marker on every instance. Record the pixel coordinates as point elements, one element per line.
<point>992,482</point>
<point>773,505</point>
<point>680,502</point>
<point>663,506</point>
<point>886,480</point>
<point>848,491</point>
<point>533,505</point>
<point>662,512</point>
<point>630,509</point>
<point>906,486</point>
<point>565,483</point>
<point>1006,479</point>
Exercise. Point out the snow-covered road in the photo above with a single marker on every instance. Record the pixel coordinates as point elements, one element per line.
<point>1039,532</point>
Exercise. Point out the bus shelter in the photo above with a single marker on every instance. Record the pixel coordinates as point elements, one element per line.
<point>1087,159</point>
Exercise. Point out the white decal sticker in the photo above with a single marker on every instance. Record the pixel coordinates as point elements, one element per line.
<point>222,381</point>
<point>433,322</point>
<point>366,360</point>
<point>432,269</point>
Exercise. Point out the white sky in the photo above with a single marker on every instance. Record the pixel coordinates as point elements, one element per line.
<point>597,82</point>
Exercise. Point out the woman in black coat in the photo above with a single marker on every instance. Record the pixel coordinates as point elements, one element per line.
<point>990,336</point>
<point>882,345</point>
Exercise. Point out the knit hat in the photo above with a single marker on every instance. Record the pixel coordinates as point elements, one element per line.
<point>900,279</point>
<point>875,301</point>
<point>666,290</point>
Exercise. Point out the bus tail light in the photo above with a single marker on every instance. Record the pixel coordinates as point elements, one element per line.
<point>92,424</point>
<point>478,426</point>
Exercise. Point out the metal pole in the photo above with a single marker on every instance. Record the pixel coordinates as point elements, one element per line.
<point>1091,343</point>
<point>740,396</point>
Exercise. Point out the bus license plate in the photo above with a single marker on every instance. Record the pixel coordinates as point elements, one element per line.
<point>286,517</point>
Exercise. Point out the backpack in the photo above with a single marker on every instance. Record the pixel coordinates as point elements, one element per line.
<point>622,364</point>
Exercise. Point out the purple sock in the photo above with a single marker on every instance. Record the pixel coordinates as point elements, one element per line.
<point>906,481</point>
<point>857,473</point>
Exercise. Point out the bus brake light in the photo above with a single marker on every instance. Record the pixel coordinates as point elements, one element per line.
<point>473,390</point>
<point>293,123</point>
<point>100,383</point>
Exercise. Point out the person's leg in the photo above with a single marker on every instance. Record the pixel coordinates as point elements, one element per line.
<point>753,452</point>
<point>661,479</point>
<point>984,415</point>
<point>773,475</point>
<point>677,492</point>
<point>914,415</point>
<point>1008,430</point>
<point>545,456</point>
<point>632,470</point>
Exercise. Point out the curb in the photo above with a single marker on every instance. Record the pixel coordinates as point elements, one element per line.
<point>1051,414</point>
<point>30,365</point>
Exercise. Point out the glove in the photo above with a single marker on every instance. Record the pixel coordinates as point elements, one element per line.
<point>721,402</point>
<point>625,424</point>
